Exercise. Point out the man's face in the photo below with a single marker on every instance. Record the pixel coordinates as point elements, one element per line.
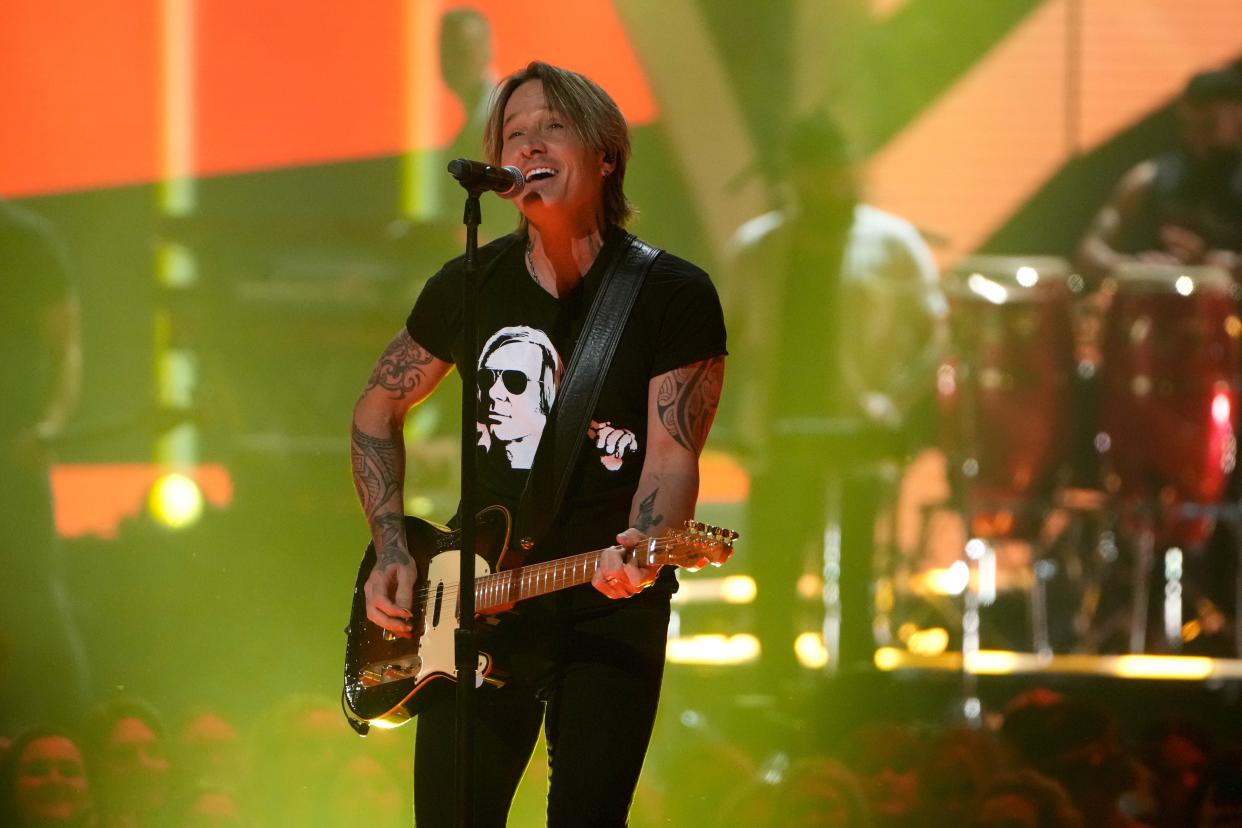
<point>511,380</point>
<point>563,175</point>
<point>51,781</point>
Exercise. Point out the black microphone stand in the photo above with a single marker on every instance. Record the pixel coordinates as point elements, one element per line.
<point>466,648</point>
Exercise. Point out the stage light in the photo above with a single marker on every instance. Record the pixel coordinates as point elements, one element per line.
<point>738,589</point>
<point>175,266</point>
<point>951,581</point>
<point>887,659</point>
<point>1221,409</point>
<point>735,589</point>
<point>1163,667</point>
<point>1184,285</point>
<point>810,586</point>
<point>988,289</point>
<point>713,649</point>
<point>1027,276</point>
<point>929,642</point>
<point>810,649</point>
<point>175,501</point>
<point>992,662</point>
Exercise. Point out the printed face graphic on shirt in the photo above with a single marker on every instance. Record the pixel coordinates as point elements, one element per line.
<point>518,372</point>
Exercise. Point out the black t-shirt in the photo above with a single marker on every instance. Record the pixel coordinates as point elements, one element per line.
<point>1205,199</point>
<point>526,338</point>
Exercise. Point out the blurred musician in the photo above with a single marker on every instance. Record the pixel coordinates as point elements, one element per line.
<point>1185,206</point>
<point>840,309</point>
<point>1169,361</point>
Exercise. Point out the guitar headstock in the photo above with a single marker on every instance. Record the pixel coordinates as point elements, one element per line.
<point>697,545</point>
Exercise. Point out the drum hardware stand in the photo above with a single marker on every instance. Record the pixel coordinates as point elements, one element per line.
<point>838,435</point>
<point>1172,565</point>
<point>972,706</point>
<point>981,590</point>
<point>1043,569</point>
<point>1134,619</point>
<point>1104,554</point>
<point>980,558</point>
<point>833,504</point>
<point>1174,568</point>
<point>1229,513</point>
<point>1084,549</point>
<point>1145,554</point>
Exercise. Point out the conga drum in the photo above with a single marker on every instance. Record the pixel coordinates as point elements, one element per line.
<point>1006,391</point>
<point>1169,390</point>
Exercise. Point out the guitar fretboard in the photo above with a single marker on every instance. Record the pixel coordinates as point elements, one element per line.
<point>511,585</point>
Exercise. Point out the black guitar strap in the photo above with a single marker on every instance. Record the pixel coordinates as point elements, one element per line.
<point>550,473</point>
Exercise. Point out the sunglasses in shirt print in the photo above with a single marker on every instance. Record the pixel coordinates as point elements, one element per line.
<point>515,381</point>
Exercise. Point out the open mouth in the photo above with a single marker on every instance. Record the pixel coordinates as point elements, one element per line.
<point>540,173</point>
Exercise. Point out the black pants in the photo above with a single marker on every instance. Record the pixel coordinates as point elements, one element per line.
<point>590,678</point>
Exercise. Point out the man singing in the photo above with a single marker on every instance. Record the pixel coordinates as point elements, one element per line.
<point>586,663</point>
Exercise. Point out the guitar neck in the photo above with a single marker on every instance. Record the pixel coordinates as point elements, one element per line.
<point>512,585</point>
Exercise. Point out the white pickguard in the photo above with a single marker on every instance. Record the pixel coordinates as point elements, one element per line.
<point>436,646</point>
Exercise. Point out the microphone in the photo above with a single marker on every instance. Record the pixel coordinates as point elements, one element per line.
<point>506,182</point>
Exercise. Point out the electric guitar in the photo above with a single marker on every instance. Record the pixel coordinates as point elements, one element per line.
<point>385,676</point>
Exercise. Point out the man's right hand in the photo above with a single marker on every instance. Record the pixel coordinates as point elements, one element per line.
<point>390,593</point>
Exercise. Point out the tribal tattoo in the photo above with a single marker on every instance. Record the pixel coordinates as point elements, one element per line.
<point>377,469</point>
<point>646,509</point>
<point>687,399</point>
<point>400,368</point>
<point>390,530</point>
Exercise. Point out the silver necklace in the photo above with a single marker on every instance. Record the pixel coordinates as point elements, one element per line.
<point>530,263</point>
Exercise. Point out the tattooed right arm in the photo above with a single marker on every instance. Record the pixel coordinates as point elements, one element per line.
<point>405,374</point>
<point>403,369</point>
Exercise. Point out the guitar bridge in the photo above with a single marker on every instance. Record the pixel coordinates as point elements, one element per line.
<point>383,672</point>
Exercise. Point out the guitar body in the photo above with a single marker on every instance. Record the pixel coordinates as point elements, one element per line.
<point>388,679</point>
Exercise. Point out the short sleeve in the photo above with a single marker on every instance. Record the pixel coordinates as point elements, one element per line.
<point>691,326</point>
<point>434,320</point>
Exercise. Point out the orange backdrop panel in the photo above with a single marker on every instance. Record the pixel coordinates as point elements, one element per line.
<point>286,82</point>
<point>79,92</point>
<point>275,84</point>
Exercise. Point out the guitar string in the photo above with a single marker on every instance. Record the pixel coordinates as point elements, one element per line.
<point>535,571</point>
<point>451,591</point>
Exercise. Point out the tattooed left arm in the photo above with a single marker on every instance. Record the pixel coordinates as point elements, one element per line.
<point>680,408</point>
